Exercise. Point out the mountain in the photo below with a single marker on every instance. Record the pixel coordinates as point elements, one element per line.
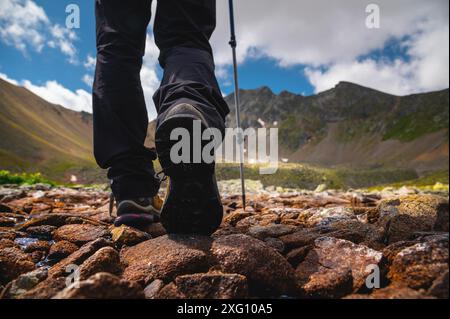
<point>354,126</point>
<point>39,136</point>
<point>349,125</point>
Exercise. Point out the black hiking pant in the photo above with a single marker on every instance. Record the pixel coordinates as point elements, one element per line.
<point>182,31</point>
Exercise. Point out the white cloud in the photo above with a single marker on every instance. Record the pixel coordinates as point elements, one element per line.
<point>427,69</point>
<point>7,79</point>
<point>55,93</point>
<point>26,26</point>
<point>88,80</point>
<point>149,76</point>
<point>333,35</point>
<point>90,62</point>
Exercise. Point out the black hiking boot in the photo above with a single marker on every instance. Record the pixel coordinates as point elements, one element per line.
<point>192,204</point>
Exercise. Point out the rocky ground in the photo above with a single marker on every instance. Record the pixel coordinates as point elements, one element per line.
<point>286,244</point>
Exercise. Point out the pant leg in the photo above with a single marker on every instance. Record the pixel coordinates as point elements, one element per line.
<point>120,115</point>
<point>182,31</point>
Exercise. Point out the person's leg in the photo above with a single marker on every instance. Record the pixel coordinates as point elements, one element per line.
<point>189,92</point>
<point>182,31</point>
<point>120,115</point>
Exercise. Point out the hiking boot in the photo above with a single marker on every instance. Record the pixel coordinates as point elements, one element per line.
<point>137,213</point>
<point>192,204</point>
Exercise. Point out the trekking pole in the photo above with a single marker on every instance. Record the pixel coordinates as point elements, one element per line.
<point>240,140</point>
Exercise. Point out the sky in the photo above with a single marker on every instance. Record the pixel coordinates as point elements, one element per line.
<point>302,46</point>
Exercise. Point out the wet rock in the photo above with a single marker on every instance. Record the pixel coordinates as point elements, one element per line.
<point>165,258</point>
<point>127,236</point>
<point>42,232</point>
<point>266,270</point>
<point>105,259</point>
<point>152,290</point>
<point>329,284</point>
<point>25,282</point>
<point>420,265</point>
<point>37,256</point>
<point>275,230</point>
<point>45,289</point>
<point>40,245</point>
<point>78,257</point>
<point>206,286</point>
<point>439,288</point>
<point>333,254</point>
<point>80,234</point>
<point>276,244</point>
<point>401,217</point>
<point>61,250</point>
<point>13,262</point>
<point>102,286</point>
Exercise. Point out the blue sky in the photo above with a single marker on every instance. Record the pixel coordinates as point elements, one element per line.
<point>301,46</point>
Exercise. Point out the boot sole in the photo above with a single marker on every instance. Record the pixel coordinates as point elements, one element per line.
<point>193,204</point>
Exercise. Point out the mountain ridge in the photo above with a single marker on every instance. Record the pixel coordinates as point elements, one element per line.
<point>316,129</point>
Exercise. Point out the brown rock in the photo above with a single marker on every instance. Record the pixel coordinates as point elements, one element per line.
<point>105,259</point>
<point>266,270</point>
<point>206,286</point>
<point>275,230</point>
<point>41,232</point>
<point>257,220</point>
<point>439,288</point>
<point>13,262</point>
<point>236,216</point>
<point>394,291</point>
<point>332,254</point>
<point>155,230</point>
<point>25,282</point>
<point>45,289</point>
<point>5,243</point>
<point>37,256</point>
<point>78,257</point>
<point>351,230</point>
<point>152,290</point>
<point>296,256</point>
<point>420,265</point>
<point>80,234</point>
<point>165,258</point>
<point>61,249</point>
<point>5,209</point>
<point>40,245</point>
<point>127,236</point>
<point>401,217</point>
<point>7,221</point>
<point>276,244</point>
<point>325,216</point>
<point>102,286</point>
<point>11,235</point>
<point>329,284</point>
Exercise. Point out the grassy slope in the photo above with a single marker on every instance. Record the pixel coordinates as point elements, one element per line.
<point>39,136</point>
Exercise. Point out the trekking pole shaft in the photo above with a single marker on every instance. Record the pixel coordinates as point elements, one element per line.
<point>233,44</point>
